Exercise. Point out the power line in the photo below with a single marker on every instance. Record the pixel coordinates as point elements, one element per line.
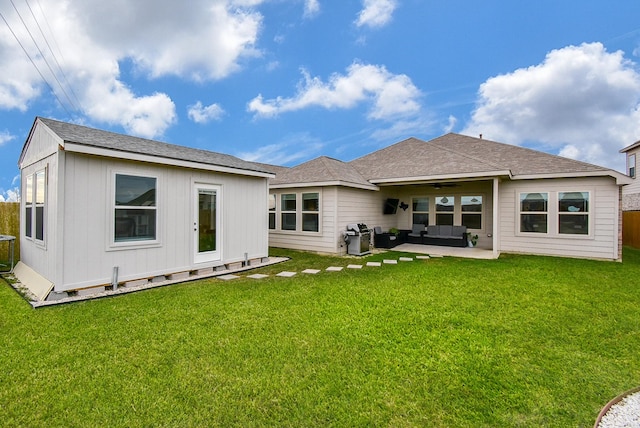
<point>33,63</point>
<point>44,58</point>
<point>51,50</point>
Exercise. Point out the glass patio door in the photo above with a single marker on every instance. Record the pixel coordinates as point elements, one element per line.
<point>206,225</point>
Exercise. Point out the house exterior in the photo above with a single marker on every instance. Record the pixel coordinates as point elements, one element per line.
<point>515,199</point>
<point>100,207</point>
<point>631,192</point>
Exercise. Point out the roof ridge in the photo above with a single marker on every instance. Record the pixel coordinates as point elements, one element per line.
<point>474,158</point>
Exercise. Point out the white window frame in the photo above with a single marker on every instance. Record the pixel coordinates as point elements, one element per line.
<point>34,204</point>
<point>588,213</point>
<point>520,213</point>
<point>428,212</point>
<point>137,243</point>
<point>480,213</point>
<point>299,211</point>
<point>631,165</point>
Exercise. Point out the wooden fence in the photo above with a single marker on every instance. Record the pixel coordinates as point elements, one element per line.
<point>9,225</point>
<point>631,228</point>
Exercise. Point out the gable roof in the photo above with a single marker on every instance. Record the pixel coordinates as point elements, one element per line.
<point>78,138</point>
<point>321,171</point>
<point>631,147</point>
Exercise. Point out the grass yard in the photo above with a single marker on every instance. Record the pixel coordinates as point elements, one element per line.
<point>520,341</point>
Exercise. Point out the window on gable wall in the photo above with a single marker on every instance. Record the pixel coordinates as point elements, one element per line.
<point>272,211</point>
<point>631,165</point>
<point>35,205</point>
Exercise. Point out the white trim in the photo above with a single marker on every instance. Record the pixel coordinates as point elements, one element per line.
<point>324,184</point>
<point>97,151</point>
<point>621,179</point>
<point>112,244</point>
<point>431,178</point>
<point>215,255</point>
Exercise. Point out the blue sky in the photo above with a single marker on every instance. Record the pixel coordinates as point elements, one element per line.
<point>283,82</point>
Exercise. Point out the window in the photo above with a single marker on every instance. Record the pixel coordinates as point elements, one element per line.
<point>573,213</point>
<point>533,212</point>
<point>135,208</point>
<point>631,165</point>
<point>288,211</point>
<point>420,208</point>
<point>444,210</point>
<point>35,205</point>
<point>310,212</point>
<point>272,211</point>
<point>297,212</point>
<point>40,192</point>
<point>471,207</point>
<point>28,206</point>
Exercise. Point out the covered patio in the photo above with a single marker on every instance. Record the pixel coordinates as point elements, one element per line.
<point>441,251</point>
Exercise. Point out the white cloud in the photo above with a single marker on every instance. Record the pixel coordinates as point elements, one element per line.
<point>204,114</point>
<point>452,122</point>
<point>391,95</point>
<point>11,195</point>
<point>311,8</point>
<point>291,150</point>
<point>90,38</point>
<point>376,13</point>
<point>5,137</point>
<point>581,100</point>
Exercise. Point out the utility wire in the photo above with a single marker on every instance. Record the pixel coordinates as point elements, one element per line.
<point>34,64</point>
<point>51,50</point>
<point>44,58</point>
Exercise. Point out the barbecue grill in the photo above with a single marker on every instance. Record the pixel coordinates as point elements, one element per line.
<point>358,239</point>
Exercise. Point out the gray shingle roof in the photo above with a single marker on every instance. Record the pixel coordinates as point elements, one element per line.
<point>454,154</point>
<point>127,144</point>
<point>322,169</point>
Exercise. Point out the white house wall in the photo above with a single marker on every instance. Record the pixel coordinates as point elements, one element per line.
<point>322,241</point>
<point>41,256</point>
<point>604,211</point>
<point>88,257</point>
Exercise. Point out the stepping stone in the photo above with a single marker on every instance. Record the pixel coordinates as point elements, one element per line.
<point>228,277</point>
<point>354,267</point>
<point>422,257</point>
<point>257,276</point>
<point>406,259</point>
<point>286,274</point>
<point>377,264</point>
<point>390,262</point>
<point>311,271</point>
<point>334,269</point>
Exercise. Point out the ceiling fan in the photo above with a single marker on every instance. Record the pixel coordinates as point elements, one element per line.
<point>441,185</point>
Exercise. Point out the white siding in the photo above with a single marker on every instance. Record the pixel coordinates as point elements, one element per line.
<point>602,243</point>
<point>42,257</point>
<point>322,241</point>
<point>88,258</point>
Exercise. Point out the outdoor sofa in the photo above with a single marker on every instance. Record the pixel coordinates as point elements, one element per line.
<point>453,236</point>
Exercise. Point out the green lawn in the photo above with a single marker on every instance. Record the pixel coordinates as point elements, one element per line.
<point>520,341</point>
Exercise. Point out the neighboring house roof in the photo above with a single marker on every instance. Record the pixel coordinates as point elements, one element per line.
<point>322,171</point>
<point>631,147</point>
<point>449,157</point>
<point>125,145</point>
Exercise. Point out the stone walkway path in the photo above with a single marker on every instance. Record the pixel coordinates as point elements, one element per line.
<point>289,274</point>
<point>227,275</point>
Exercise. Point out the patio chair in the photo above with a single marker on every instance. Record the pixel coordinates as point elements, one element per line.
<point>415,236</point>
